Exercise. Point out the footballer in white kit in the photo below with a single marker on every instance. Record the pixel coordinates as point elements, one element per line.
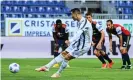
<point>81,42</point>
<point>78,45</point>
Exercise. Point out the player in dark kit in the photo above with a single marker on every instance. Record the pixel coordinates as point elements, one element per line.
<point>124,38</point>
<point>98,42</point>
<point>60,35</point>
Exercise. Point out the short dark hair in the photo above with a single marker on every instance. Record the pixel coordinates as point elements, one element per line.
<point>110,21</point>
<point>88,14</point>
<point>58,21</point>
<point>76,10</point>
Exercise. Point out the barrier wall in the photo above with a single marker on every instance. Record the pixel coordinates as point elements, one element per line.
<point>35,36</point>
<point>38,27</point>
<point>40,47</point>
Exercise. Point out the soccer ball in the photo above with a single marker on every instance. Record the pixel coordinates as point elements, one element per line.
<point>14,67</point>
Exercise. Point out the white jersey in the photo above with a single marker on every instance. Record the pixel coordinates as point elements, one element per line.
<point>81,42</point>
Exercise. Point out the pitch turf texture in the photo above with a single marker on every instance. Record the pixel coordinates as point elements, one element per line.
<point>81,69</point>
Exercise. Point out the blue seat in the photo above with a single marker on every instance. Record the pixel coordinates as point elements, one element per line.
<point>57,10</point>
<point>32,9</point>
<point>7,2</point>
<point>130,3</point>
<point>51,3</point>
<point>15,2</point>
<point>127,11</point>
<point>21,2</point>
<point>16,15</point>
<point>2,17</point>
<point>15,9</point>
<point>29,2</point>
<point>7,9</point>
<point>10,15</point>
<point>66,10</point>
<point>119,3</point>
<point>42,10</point>
<point>132,11</point>
<point>116,3</point>
<point>3,2</point>
<point>62,3</point>
<point>124,3</point>
<point>49,10</point>
<point>3,9</point>
<point>25,9</point>
<point>36,2</point>
<point>2,25</point>
<point>42,3</point>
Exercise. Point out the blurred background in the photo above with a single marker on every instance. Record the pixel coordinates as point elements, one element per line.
<point>26,25</point>
<point>113,9</point>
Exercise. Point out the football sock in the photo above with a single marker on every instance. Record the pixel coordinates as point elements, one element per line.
<point>58,59</point>
<point>127,58</point>
<point>123,59</point>
<point>107,58</point>
<point>101,59</point>
<point>62,67</point>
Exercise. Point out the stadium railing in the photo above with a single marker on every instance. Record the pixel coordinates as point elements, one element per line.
<point>113,16</point>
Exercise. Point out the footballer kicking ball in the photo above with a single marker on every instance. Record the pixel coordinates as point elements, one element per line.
<point>14,67</point>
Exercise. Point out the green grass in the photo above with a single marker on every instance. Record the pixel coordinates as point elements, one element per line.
<point>81,69</point>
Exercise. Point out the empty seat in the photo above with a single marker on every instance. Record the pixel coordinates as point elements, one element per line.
<point>2,17</point>
<point>66,10</point>
<point>49,10</point>
<point>29,2</point>
<point>126,11</point>
<point>21,3</point>
<point>7,9</point>
<point>62,3</point>
<point>42,3</point>
<point>25,9</point>
<point>2,25</point>
<point>130,3</point>
<point>32,9</point>
<point>42,9</point>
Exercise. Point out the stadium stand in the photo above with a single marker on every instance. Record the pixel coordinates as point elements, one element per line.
<point>57,8</point>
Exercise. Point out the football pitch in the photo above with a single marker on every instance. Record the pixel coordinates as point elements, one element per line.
<point>80,69</point>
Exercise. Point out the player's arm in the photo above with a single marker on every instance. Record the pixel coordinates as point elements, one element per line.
<point>54,35</point>
<point>110,40</point>
<point>102,36</point>
<point>66,34</point>
<point>120,39</point>
<point>100,29</point>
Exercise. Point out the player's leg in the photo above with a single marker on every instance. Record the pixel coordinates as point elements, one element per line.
<point>99,56</point>
<point>72,53</point>
<point>58,59</point>
<point>64,46</point>
<point>124,52</point>
<point>56,48</point>
<point>105,56</point>
<point>68,57</point>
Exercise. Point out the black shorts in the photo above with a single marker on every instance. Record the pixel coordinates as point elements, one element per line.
<point>126,40</point>
<point>96,41</point>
